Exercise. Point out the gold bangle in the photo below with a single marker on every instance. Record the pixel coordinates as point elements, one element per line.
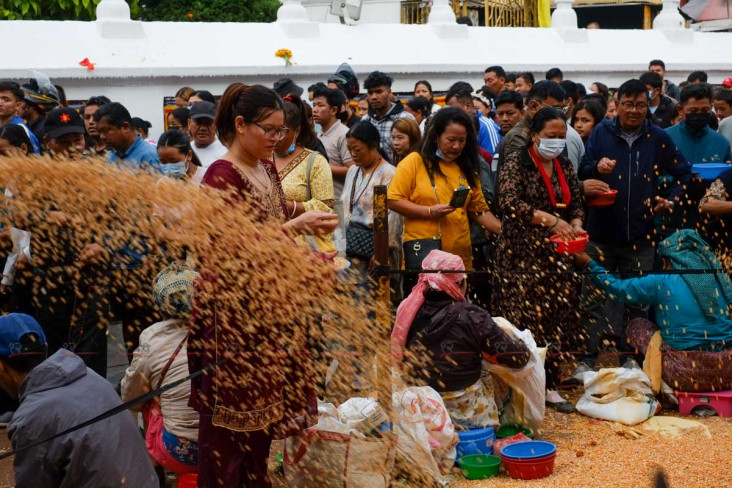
<point>429,211</point>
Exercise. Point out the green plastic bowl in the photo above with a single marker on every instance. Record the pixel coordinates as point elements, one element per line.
<point>479,466</point>
<point>509,430</point>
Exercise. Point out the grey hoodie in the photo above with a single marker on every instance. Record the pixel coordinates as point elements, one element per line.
<point>58,394</point>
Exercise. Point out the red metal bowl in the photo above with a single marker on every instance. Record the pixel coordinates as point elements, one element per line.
<point>570,247</point>
<point>602,200</point>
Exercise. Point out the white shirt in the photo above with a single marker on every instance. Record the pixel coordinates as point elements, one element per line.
<point>207,156</point>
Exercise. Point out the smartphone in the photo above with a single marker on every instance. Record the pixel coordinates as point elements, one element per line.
<point>459,197</point>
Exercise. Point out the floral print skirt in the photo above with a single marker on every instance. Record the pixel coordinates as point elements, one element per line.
<point>473,407</point>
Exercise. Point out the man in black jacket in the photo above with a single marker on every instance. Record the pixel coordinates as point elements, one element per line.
<point>660,107</point>
<point>628,153</point>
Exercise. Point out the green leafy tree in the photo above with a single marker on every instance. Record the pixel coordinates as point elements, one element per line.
<point>54,9</point>
<point>209,10</point>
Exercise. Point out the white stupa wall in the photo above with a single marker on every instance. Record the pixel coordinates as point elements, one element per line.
<point>157,58</point>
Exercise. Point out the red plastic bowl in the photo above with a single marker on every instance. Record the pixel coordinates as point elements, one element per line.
<point>535,469</point>
<point>602,200</point>
<point>529,461</point>
<point>570,247</point>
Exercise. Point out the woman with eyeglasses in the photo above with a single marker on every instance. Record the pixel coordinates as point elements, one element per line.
<point>245,401</point>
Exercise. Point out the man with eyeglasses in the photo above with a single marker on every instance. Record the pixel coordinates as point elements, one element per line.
<point>628,153</point>
<point>543,94</point>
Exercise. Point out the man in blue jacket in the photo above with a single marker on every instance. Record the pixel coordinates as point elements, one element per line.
<point>628,153</point>
<point>693,136</point>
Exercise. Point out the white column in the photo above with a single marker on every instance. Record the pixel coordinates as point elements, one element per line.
<point>441,13</point>
<point>564,16</point>
<point>114,22</point>
<point>113,10</point>
<point>293,18</point>
<point>669,18</point>
<point>291,11</point>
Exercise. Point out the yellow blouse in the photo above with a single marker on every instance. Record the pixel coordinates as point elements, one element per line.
<point>295,185</point>
<point>411,182</point>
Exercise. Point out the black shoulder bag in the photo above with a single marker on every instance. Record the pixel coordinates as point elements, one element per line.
<point>417,249</point>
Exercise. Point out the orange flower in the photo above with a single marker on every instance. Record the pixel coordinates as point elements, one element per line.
<point>190,15</point>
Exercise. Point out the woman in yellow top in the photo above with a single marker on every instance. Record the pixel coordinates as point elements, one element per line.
<point>305,174</point>
<point>450,153</point>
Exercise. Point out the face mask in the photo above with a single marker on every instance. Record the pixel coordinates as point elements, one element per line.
<point>650,95</point>
<point>551,148</point>
<point>291,149</point>
<point>697,122</point>
<point>174,170</point>
<point>439,154</point>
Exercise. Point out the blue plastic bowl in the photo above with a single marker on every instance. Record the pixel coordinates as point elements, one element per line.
<point>476,441</point>
<point>710,171</point>
<point>528,450</point>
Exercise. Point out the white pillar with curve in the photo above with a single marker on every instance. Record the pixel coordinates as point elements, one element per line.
<point>564,16</point>
<point>669,18</point>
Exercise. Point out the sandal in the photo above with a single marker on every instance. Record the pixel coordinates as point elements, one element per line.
<point>561,407</point>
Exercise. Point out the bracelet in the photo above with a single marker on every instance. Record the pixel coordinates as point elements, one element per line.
<point>429,212</point>
<point>555,223</point>
<point>294,209</point>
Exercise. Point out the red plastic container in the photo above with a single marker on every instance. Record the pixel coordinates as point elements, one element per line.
<point>188,480</point>
<point>570,247</point>
<point>602,200</point>
<point>529,461</point>
<point>529,469</point>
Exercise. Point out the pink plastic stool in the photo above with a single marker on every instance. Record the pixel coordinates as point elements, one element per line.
<point>188,480</point>
<point>720,401</point>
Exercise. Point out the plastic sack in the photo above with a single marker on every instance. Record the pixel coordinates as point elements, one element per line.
<point>618,395</point>
<point>362,414</point>
<point>426,436</point>
<point>501,443</point>
<point>333,454</point>
<point>527,405</point>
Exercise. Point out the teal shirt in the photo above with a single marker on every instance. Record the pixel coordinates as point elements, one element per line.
<point>707,147</point>
<point>683,325</point>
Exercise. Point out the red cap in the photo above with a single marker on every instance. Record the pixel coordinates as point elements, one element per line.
<point>727,82</point>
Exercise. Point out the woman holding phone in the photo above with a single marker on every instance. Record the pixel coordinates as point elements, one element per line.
<point>425,183</point>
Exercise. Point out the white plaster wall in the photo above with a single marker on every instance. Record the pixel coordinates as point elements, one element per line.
<point>140,72</point>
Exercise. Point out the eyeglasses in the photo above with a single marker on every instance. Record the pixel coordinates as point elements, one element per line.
<point>546,105</point>
<point>640,106</point>
<point>279,132</point>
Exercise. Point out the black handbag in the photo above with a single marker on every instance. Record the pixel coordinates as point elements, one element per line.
<point>359,237</point>
<point>417,249</point>
<point>359,241</point>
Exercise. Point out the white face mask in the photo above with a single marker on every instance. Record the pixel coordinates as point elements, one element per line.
<point>551,148</point>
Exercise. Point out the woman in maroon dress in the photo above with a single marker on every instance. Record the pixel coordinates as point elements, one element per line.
<point>259,392</point>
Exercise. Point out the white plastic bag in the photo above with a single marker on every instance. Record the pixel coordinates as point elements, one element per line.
<point>333,454</point>
<point>426,437</point>
<point>527,405</point>
<point>362,414</point>
<point>619,395</point>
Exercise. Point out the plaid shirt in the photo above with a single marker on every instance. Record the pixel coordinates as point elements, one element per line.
<point>385,124</point>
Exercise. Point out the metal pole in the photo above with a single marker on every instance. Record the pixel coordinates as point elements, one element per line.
<point>383,308</point>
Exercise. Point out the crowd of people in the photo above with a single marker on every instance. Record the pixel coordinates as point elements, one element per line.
<point>480,184</point>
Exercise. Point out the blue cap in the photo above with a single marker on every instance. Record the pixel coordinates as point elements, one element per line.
<point>14,326</point>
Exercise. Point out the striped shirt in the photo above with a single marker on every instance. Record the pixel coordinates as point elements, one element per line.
<point>489,134</point>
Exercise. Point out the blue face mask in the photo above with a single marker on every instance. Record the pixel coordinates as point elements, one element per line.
<point>439,154</point>
<point>174,170</point>
<point>291,149</point>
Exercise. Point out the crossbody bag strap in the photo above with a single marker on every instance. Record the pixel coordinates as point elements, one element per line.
<point>167,366</point>
<point>308,172</point>
<point>437,201</point>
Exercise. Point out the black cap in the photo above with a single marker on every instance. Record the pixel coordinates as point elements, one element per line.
<point>62,121</point>
<point>285,86</point>
<point>203,110</point>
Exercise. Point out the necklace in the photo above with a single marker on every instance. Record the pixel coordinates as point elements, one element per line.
<point>264,186</point>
